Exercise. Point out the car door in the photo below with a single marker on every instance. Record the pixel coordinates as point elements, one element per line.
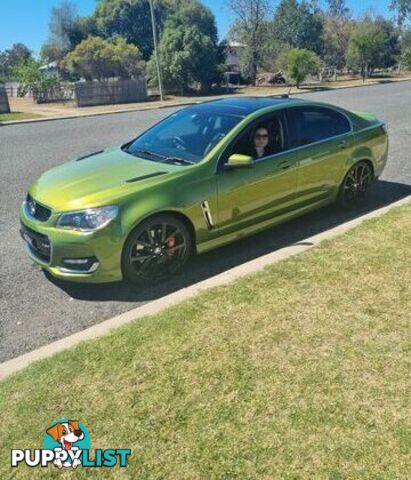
<point>322,140</point>
<point>253,194</point>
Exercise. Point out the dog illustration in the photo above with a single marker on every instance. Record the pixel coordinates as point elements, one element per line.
<point>66,433</point>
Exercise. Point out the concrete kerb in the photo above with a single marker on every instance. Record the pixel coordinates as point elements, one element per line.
<point>183,104</point>
<point>14,365</point>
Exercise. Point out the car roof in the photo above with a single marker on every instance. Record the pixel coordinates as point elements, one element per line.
<point>243,106</point>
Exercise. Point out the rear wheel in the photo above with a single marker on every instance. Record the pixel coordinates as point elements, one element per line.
<point>156,249</point>
<point>355,185</point>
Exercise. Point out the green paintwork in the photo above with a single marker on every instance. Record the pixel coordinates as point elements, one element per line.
<point>242,201</point>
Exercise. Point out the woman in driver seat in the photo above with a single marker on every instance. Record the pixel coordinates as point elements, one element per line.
<point>261,142</point>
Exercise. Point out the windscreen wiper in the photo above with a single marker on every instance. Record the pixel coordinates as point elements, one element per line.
<point>177,160</point>
<point>147,153</point>
<point>164,158</point>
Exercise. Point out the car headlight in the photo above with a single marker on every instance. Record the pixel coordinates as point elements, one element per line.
<point>88,220</point>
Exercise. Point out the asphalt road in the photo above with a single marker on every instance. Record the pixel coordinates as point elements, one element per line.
<point>35,310</point>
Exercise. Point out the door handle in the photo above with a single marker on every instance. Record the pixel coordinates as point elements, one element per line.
<point>342,144</point>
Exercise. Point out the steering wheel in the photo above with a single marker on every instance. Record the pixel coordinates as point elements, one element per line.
<point>217,137</point>
<point>179,143</point>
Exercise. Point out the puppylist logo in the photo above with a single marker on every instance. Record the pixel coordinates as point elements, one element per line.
<point>67,444</point>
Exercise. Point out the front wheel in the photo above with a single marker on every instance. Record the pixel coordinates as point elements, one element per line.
<point>156,249</point>
<point>355,185</point>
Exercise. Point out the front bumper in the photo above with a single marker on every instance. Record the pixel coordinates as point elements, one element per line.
<point>50,247</point>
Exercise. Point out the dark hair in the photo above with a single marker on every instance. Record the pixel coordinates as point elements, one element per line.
<point>262,125</point>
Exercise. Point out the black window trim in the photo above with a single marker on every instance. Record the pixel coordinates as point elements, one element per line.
<point>283,110</point>
<point>220,164</point>
<point>326,107</point>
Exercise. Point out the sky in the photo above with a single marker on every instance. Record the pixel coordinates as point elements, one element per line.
<point>26,21</point>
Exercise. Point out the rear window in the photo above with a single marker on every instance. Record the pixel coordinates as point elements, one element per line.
<point>313,124</point>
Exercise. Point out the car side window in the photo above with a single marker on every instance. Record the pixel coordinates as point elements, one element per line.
<point>265,137</point>
<point>313,124</point>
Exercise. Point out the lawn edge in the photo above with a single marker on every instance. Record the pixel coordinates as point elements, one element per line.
<point>106,327</point>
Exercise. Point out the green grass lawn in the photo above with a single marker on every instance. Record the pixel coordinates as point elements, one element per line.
<point>6,117</point>
<point>300,371</point>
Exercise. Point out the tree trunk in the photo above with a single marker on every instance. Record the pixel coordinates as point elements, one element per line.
<point>254,68</point>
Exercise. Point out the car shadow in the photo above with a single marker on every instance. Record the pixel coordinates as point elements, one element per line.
<point>212,263</point>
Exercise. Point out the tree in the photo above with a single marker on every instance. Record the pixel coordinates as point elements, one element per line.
<point>364,47</point>
<point>11,58</point>
<point>82,28</point>
<point>62,19</point>
<point>192,12</point>
<point>96,58</point>
<point>50,52</point>
<point>188,13</point>
<point>390,51</point>
<point>337,31</point>
<point>131,19</point>
<point>373,44</point>
<point>17,54</point>
<point>187,56</point>
<point>3,70</point>
<point>67,30</point>
<point>403,9</point>
<point>406,49</point>
<point>301,63</point>
<point>250,30</point>
<point>338,9</point>
<point>273,55</point>
<point>32,79</point>
<point>298,25</point>
<point>336,40</point>
<point>127,59</point>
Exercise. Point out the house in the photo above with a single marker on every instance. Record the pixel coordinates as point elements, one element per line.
<point>233,55</point>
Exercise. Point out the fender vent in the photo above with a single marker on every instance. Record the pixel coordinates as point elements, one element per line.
<point>205,207</point>
<point>89,155</point>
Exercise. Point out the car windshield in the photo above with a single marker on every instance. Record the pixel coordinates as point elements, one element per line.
<point>185,137</point>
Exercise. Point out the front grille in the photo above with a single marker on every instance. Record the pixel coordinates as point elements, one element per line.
<point>36,210</point>
<point>38,243</point>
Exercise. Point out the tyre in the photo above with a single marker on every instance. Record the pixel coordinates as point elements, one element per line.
<point>156,249</point>
<point>355,185</point>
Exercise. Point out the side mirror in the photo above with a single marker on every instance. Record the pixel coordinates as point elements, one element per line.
<point>239,160</point>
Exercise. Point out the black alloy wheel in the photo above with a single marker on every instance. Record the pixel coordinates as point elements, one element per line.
<point>156,249</point>
<point>355,185</point>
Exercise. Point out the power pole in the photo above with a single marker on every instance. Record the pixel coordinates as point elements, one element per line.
<point>160,86</point>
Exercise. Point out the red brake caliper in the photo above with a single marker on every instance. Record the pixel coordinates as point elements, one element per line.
<point>170,244</point>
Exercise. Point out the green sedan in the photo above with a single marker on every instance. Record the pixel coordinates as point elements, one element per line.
<point>205,176</point>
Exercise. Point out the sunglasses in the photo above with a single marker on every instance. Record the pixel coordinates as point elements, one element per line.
<point>258,135</point>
